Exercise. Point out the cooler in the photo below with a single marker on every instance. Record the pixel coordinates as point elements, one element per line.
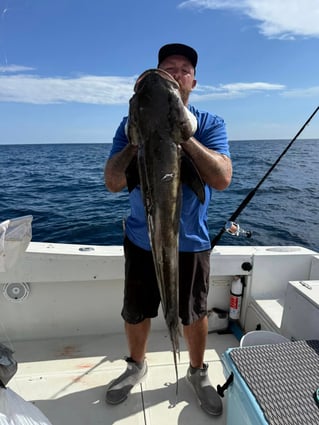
<point>300,318</point>
<point>273,384</point>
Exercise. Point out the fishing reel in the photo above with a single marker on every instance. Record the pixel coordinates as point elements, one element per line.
<point>235,230</point>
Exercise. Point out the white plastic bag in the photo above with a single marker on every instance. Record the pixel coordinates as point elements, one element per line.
<point>15,236</point>
<point>14,410</point>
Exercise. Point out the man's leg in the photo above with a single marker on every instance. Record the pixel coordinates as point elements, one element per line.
<point>194,285</point>
<point>195,336</point>
<point>141,301</point>
<point>119,389</point>
<point>197,375</point>
<point>137,339</point>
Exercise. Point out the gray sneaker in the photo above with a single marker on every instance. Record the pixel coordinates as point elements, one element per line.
<point>119,388</point>
<point>206,394</point>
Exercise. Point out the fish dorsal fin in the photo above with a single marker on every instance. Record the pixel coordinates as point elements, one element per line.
<point>132,175</point>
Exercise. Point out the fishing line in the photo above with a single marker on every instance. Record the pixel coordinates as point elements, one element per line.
<point>252,193</point>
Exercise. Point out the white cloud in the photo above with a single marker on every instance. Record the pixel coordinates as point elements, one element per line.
<point>306,92</point>
<point>85,89</point>
<point>113,90</point>
<point>253,86</point>
<point>277,18</point>
<point>15,68</point>
<point>233,90</point>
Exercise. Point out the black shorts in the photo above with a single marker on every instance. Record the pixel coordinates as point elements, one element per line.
<point>141,293</point>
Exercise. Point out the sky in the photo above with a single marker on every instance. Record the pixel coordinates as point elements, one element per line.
<point>68,67</point>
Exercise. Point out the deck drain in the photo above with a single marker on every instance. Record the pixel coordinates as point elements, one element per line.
<point>16,292</point>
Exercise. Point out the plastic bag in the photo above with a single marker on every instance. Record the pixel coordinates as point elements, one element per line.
<point>8,365</point>
<point>15,236</point>
<point>14,410</point>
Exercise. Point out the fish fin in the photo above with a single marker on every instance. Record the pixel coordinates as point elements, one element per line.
<point>132,175</point>
<point>191,177</point>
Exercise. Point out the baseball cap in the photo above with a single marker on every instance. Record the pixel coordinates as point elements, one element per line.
<point>178,49</point>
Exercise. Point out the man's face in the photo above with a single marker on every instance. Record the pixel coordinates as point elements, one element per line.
<point>182,70</point>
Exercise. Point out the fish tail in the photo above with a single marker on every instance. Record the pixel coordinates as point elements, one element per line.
<point>176,353</point>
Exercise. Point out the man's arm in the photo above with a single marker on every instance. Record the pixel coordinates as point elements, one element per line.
<point>214,168</point>
<point>114,171</point>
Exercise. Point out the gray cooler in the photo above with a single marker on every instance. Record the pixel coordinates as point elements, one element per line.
<point>273,384</point>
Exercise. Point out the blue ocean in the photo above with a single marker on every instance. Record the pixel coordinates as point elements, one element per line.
<point>62,187</point>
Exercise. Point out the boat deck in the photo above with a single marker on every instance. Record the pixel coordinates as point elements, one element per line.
<point>66,379</point>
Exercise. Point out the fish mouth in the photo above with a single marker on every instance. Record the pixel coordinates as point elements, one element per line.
<point>156,71</point>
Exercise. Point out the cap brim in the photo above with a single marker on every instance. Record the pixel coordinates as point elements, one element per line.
<point>178,49</point>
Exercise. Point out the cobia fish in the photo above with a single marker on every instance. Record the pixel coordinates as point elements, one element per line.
<point>158,123</point>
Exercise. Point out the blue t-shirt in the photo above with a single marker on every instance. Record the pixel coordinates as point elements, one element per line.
<point>193,232</point>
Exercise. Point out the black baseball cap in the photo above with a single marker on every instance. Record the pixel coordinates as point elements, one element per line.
<point>178,49</point>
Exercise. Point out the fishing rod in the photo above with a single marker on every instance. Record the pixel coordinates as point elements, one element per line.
<point>233,228</point>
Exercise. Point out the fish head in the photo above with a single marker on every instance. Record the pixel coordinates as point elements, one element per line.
<point>157,104</point>
<point>158,76</point>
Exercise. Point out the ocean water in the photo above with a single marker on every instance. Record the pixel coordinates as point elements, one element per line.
<point>62,187</point>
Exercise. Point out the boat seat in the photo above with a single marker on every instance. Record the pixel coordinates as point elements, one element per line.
<point>273,308</point>
<point>265,314</point>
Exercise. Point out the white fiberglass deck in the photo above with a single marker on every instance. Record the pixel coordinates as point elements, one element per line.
<point>66,379</point>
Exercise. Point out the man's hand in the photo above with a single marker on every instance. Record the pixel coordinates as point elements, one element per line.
<point>189,125</point>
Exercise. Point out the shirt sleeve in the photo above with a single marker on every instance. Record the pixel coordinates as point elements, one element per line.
<point>211,132</point>
<point>119,140</point>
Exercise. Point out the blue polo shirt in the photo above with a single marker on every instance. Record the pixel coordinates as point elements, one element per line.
<point>193,232</point>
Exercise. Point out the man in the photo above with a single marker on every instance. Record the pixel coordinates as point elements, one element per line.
<point>209,150</point>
